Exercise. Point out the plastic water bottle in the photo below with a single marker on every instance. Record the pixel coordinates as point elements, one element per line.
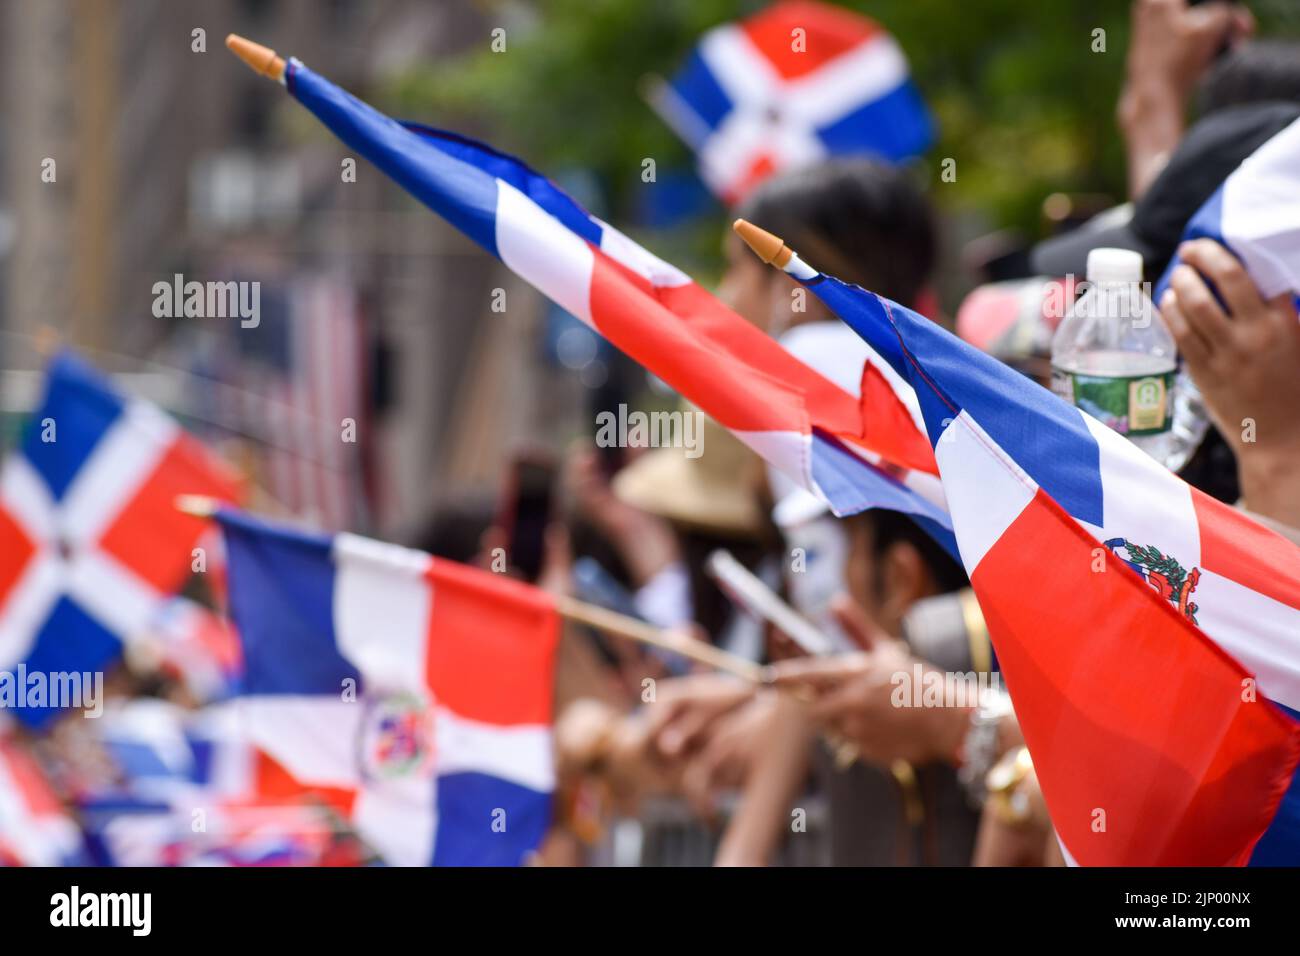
<point>1113,357</point>
<point>1191,422</point>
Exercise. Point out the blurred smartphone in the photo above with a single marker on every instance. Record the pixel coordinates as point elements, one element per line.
<point>748,591</point>
<point>525,512</point>
<point>593,584</point>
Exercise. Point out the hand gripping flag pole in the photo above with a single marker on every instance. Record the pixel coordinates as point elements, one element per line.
<point>1130,705</point>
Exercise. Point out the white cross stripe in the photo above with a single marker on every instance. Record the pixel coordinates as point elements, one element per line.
<point>110,478</point>
<point>779,116</point>
<point>100,584</point>
<point>27,500</point>
<point>28,606</point>
<point>112,593</point>
<point>846,83</point>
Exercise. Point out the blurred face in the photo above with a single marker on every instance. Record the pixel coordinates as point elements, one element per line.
<point>885,585</point>
<point>861,574</point>
<point>747,283</point>
<point>764,295</point>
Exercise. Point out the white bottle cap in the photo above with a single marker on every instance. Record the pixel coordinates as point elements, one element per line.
<point>1114,265</point>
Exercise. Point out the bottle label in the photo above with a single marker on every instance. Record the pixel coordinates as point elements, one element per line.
<point>1134,405</point>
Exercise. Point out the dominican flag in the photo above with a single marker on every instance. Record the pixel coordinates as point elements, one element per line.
<point>414,692</point>
<point>159,751</point>
<point>796,83</point>
<point>1149,635</point>
<point>184,788</point>
<point>196,646</point>
<point>233,834</point>
<point>173,768</point>
<point>91,545</point>
<point>1256,214</point>
<point>855,448</point>
<point>34,828</point>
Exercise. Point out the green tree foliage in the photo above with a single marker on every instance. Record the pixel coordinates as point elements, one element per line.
<point>1024,97</point>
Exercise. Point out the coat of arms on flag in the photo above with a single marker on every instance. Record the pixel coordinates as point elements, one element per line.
<point>414,692</point>
<point>1122,694</point>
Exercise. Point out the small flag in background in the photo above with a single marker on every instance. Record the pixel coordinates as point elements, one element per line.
<point>34,829</point>
<point>1256,214</point>
<point>91,545</point>
<point>186,789</point>
<point>796,83</point>
<point>1126,706</point>
<point>855,451</point>
<point>416,691</point>
<point>197,647</point>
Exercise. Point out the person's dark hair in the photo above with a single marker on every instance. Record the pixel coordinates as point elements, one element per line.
<point>860,220</point>
<point>454,531</point>
<point>891,527</point>
<point>1254,72</point>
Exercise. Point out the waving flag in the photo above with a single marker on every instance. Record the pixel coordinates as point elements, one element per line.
<point>234,834</point>
<point>789,86</point>
<point>171,768</point>
<point>197,647</point>
<point>34,829</point>
<point>1127,685</point>
<point>418,691</point>
<point>1256,214</point>
<point>90,543</point>
<point>855,451</point>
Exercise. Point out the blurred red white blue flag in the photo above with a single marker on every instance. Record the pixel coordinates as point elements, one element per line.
<point>1120,601</point>
<point>184,788</point>
<point>1256,214</point>
<point>34,828</point>
<point>415,692</point>
<point>854,448</point>
<point>796,83</point>
<point>91,544</point>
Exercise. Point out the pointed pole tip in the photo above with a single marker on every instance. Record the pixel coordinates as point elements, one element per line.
<point>260,59</point>
<point>198,506</point>
<point>771,249</point>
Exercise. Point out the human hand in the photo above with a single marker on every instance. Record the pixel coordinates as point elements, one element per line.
<point>1172,41</point>
<point>556,575</point>
<point>1171,45</point>
<point>684,708</point>
<point>1015,828</point>
<point>733,744</point>
<point>645,542</point>
<point>856,697</point>
<point>1246,362</point>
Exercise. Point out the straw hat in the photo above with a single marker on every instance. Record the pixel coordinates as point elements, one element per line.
<point>716,491</point>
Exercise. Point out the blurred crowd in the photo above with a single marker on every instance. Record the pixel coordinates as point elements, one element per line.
<point>825,745</point>
<point>660,760</point>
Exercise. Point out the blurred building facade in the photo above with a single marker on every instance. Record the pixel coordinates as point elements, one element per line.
<point>169,158</point>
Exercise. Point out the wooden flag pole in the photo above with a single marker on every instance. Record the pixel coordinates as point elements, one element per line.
<point>611,622</point>
<point>593,615</point>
